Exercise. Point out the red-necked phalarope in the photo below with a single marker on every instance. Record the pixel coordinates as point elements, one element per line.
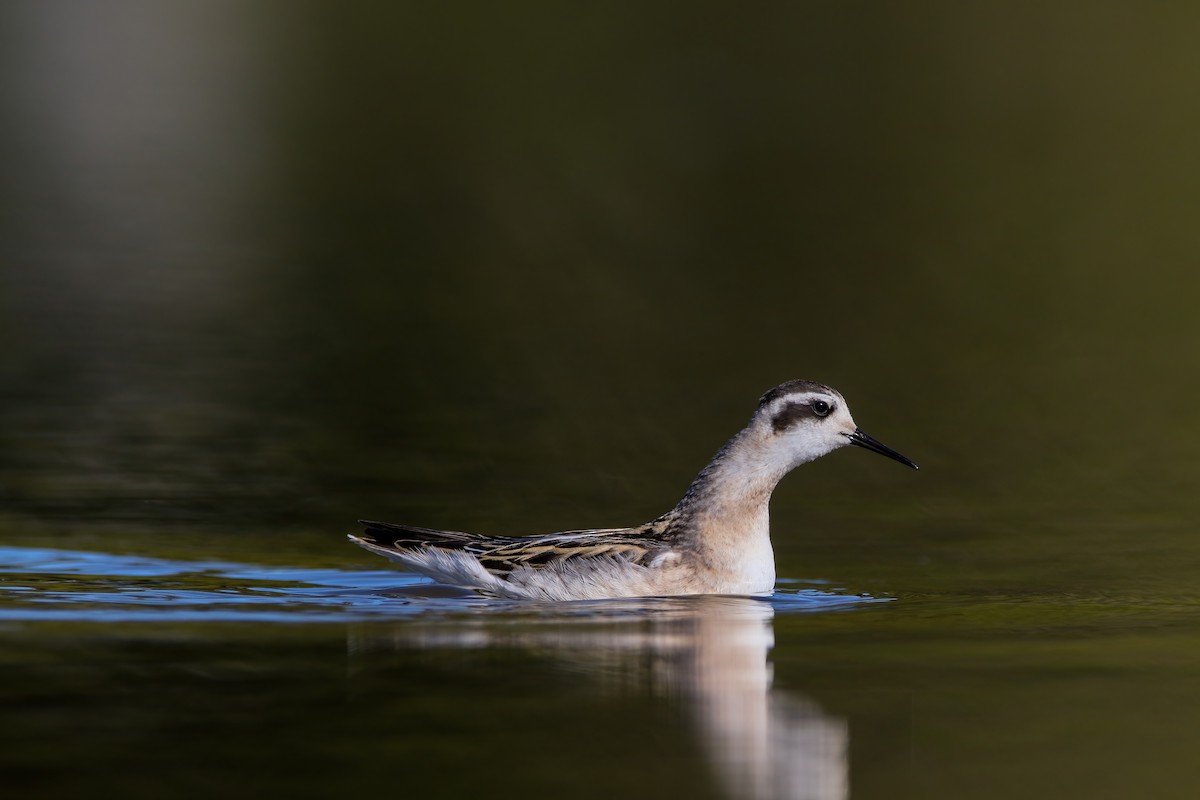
<point>715,541</point>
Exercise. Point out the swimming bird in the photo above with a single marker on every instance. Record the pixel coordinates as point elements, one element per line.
<point>716,540</point>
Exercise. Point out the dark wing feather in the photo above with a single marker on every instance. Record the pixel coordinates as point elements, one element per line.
<point>502,554</point>
<point>410,537</point>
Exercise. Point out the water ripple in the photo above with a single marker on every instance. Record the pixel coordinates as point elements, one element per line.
<point>48,584</point>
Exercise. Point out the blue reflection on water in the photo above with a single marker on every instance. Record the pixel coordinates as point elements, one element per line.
<point>47,584</point>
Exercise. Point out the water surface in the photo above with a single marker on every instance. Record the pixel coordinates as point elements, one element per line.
<point>518,270</point>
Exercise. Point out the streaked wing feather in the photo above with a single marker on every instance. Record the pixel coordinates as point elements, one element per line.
<point>502,554</point>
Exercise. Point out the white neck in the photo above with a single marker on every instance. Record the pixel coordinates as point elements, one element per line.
<point>725,511</point>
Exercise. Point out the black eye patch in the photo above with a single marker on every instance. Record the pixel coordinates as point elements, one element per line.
<point>792,413</point>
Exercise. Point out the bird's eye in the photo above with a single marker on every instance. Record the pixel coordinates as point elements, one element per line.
<point>821,408</point>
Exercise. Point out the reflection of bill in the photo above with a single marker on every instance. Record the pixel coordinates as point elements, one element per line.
<point>710,652</point>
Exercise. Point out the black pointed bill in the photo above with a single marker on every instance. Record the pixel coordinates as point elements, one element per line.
<point>862,439</point>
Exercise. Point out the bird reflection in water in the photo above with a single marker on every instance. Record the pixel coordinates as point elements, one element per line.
<point>710,653</point>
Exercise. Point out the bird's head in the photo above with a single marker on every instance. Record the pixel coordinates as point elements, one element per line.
<point>804,420</point>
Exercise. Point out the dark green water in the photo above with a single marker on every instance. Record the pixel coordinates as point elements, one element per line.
<point>522,270</point>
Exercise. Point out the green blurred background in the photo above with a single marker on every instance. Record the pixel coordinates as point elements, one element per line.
<point>525,268</point>
<point>266,268</point>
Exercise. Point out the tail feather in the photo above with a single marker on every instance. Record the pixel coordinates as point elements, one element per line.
<point>393,537</point>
